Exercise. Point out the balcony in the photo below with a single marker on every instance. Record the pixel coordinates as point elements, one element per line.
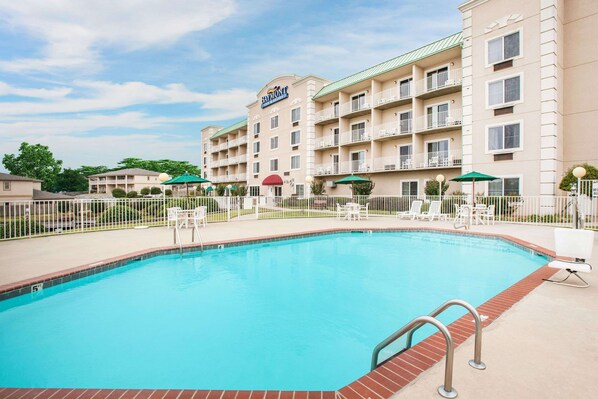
<point>327,169</point>
<point>356,107</point>
<point>326,116</point>
<point>242,140</point>
<point>439,122</point>
<point>354,167</point>
<point>439,84</point>
<point>393,97</point>
<point>393,129</point>
<point>355,136</point>
<point>325,142</point>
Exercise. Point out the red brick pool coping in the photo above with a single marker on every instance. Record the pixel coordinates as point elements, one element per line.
<point>380,383</point>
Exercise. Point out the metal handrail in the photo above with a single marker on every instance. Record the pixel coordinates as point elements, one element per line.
<point>445,390</point>
<point>476,362</point>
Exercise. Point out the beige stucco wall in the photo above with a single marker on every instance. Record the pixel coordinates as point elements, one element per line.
<point>19,190</point>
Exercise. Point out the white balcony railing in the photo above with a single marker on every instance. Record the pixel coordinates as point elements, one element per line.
<point>359,104</point>
<point>327,141</point>
<point>437,159</point>
<point>242,140</point>
<point>327,169</point>
<point>355,167</point>
<point>393,94</point>
<point>356,136</point>
<point>393,128</point>
<point>326,114</point>
<point>438,81</point>
<point>438,120</point>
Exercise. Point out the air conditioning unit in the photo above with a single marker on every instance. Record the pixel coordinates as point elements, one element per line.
<point>330,183</point>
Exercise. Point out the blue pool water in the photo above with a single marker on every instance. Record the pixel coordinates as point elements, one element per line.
<point>300,314</point>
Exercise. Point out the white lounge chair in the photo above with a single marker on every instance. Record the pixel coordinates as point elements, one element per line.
<point>576,244</point>
<point>414,211</point>
<point>432,212</point>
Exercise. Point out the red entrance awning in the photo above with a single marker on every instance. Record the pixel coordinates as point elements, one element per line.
<point>272,180</point>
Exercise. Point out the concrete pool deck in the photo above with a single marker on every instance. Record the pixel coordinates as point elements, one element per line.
<point>546,345</point>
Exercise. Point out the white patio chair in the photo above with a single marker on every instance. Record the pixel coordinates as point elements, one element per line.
<point>364,210</point>
<point>576,244</point>
<point>487,215</point>
<point>199,216</point>
<point>340,211</point>
<point>414,211</point>
<point>171,215</point>
<point>432,212</point>
<point>352,211</point>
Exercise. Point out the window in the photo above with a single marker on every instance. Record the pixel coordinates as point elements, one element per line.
<point>358,132</point>
<point>358,102</point>
<point>405,88</point>
<point>274,143</point>
<point>503,48</point>
<point>405,152</point>
<point>6,186</point>
<point>274,122</point>
<point>336,109</point>
<point>409,188</point>
<point>254,191</point>
<point>437,79</point>
<point>256,168</point>
<point>295,137</point>
<point>505,137</point>
<point>504,91</point>
<point>405,122</point>
<point>256,147</point>
<point>300,190</point>
<point>256,129</point>
<point>437,153</point>
<point>295,115</point>
<point>436,115</point>
<point>336,135</point>
<point>507,186</point>
<point>358,163</point>
<point>274,165</point>
<point>296,162</point>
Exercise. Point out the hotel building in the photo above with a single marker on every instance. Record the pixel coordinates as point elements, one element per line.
<point>511,95</point>
<point>133,179</point>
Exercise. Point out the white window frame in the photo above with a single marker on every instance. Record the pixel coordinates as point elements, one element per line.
<point>503,78</point>
<point>277,165</point>
<point>365,129</point>
<point>365,94</point>
<point>408,181</point>
<point>253,147</point>
<point>291,137</point>
<point>365,160</point>
<point>411,87</point>
<point>291,114</point>
<point>296,190</point>
<point>448,111</point>
<point>409,111</point>
<point>6,186</point>
<point>277,143</point>
<point>277,122</point>
<point>503,177</point>
<point>507,150</point>
<point>435,68</point>
<point>291,162</point>
<point>259,128</point>
<point>426,142</point>
<point>488,64</point>
<point>253,165</point>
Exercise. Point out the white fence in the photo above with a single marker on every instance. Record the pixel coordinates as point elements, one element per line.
<point>20,219</point>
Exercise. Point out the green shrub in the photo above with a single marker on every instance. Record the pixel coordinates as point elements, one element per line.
<point>168,193</point>
<point>392,204</point>
<point>20,228</point>
<point>365,188</point>
<point>132,194</point>
<point>294,202</point>
<point>144,191</point>
<point>119,193</point>
<point>155,191</point>
<point>118,213</point>
<point>317,187</point>
<point>241,191</point>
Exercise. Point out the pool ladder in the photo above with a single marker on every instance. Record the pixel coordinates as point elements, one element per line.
<point>177,235</point>
<point>446,390</point>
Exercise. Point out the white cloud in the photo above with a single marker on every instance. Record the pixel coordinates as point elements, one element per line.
<point>86,96</point>
<point>74,31</point>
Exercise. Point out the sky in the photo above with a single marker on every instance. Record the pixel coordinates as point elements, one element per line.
<point>98,81</point>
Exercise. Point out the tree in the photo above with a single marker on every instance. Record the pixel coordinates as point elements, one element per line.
<point>155,190</point>
<point>144,191</point>
<point>568,180</point>
<point>173,168</point>
<point>71,180</point>
<point>317,187</point>
<point>364,188</point>
<point>92,170</point>
<point>35,161</point>
<point>431,187</point>
<point>119,193</point>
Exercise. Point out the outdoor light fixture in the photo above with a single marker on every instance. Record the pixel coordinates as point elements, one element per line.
<point>163,177</point>
<point>578,172</point>
<point>440,179</point>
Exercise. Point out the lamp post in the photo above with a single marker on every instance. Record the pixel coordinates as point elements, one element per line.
<point>164,177</point>
<point>229,187</point>
<point>578,172</point>
<point>440,179</point>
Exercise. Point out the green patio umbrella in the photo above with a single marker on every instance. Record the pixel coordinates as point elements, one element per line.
<point>352,179</point>
<point>186,179</point>
<point>473,177</point>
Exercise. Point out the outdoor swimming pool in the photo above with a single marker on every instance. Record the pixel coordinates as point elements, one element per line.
<point>299,314</point>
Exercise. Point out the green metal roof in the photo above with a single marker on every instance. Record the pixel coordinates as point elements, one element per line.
<point>229,129</point>
<point>397,62</point>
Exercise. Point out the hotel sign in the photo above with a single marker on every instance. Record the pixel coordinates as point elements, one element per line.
<point>274,95</point>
